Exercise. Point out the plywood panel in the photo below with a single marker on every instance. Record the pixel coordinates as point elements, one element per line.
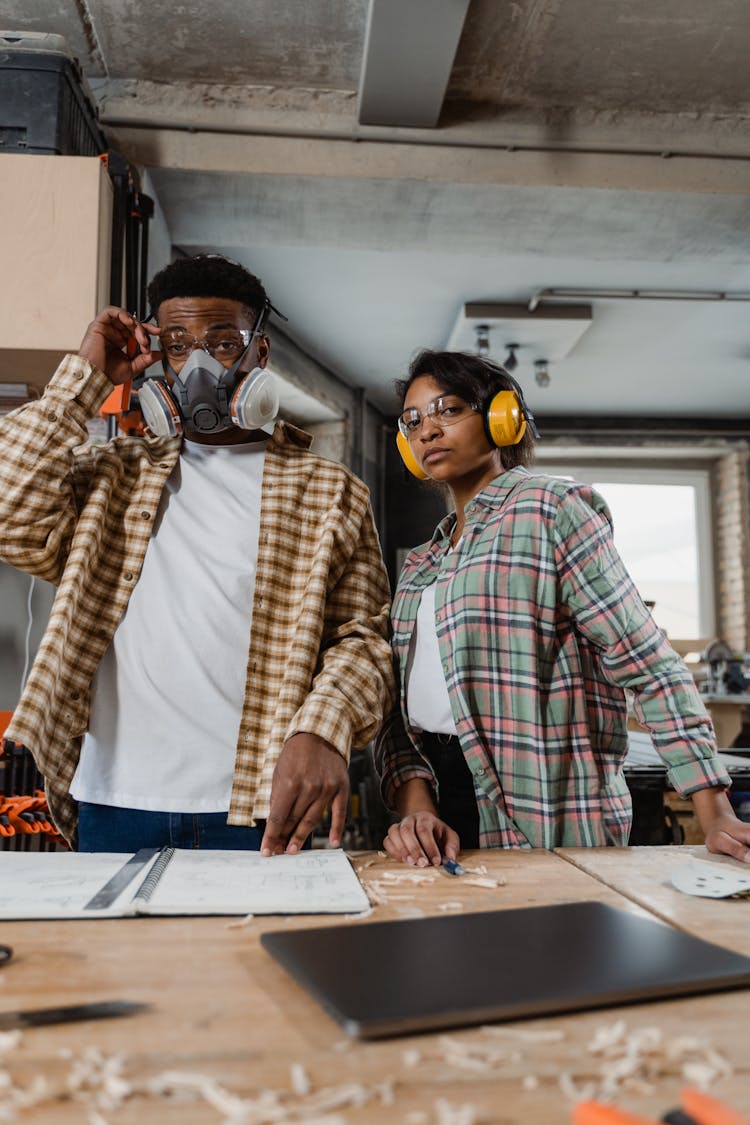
<point>55,223</point>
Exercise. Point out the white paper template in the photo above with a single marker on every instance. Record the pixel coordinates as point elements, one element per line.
<point>710,880</point>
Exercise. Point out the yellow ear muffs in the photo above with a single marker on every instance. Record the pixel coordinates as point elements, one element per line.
<point>504,419</point>
<point>409,459</point>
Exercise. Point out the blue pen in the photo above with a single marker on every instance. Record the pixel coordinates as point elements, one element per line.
<point>452,867</point>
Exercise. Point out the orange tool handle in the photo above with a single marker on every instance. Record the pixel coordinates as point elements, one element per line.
<point>118,402</point>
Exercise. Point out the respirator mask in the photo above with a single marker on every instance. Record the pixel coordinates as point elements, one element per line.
<point>205,396</point>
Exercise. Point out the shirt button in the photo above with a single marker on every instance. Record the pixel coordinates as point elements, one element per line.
<point>128,576</point>
<point>145,515</point>
<point>480,772</point>
<point>79,374</point>
<point>52,416</point>
<point>75,695</point>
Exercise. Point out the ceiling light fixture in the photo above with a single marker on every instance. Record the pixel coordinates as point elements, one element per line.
<point>541,372</point>
<point>483,339</point>
<point>510,363</point>
<point>493,328</point>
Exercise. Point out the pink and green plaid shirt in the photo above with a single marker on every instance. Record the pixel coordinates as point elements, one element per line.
<point>540,631</point>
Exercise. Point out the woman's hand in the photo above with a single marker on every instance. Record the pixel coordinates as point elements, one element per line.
<point>725,834</point>
<point>421,838</point>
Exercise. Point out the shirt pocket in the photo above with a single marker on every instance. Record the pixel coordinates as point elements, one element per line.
<point>617,816</point>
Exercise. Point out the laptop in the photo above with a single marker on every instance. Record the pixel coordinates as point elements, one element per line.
<point>396,978</point>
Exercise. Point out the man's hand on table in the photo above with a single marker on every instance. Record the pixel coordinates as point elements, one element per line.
<point>310,777</point>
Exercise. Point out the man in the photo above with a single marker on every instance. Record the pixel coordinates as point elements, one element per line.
<point>218,641</point>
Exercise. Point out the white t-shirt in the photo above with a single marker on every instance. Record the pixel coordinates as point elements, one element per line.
<point>167,697</point>
<point>427,698</point>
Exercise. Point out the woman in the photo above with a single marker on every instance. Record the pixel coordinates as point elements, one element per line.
<point>517,630</point>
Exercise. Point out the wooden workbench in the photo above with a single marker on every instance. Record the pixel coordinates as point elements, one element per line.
<point>222,1008</point>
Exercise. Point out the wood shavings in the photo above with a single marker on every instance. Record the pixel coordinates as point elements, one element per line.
<point>529,1082</point>
<point>422,877</point>
<point>475,1055</point>
<point>411,1058</point>
<point>9,1040</point>
<point>380,890</point>
<point>455,1115</point>
<point>14,1098</point>
<point>100,1081</point>
<point>248,920</point>
<point>412,911</point>
<point>300,1080</point>
<point>385,1091</point>
<point>635,1061</point>
<point>575,1093</point>
<point>451,906</point>
<point>99,1077</point>
<point>483,881</point>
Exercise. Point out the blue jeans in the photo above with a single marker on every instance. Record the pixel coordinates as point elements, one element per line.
<point>104,828</point>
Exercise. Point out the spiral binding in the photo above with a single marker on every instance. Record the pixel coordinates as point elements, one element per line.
<point>151,882</point>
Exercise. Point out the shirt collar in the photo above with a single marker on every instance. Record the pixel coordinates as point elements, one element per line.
<point>492,496</point>
<point>285,434</point>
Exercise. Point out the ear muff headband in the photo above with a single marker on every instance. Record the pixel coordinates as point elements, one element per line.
<point>504,419</point>
<point>409,459</point>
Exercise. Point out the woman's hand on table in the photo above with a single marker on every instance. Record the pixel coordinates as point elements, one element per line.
<point>724,833</point>
<point>728,835</point>
<point>422,839</point>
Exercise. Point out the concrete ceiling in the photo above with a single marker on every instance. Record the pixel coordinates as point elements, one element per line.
<point>591,144</point>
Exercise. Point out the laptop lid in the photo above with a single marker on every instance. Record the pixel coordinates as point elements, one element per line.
<point>396,978</point>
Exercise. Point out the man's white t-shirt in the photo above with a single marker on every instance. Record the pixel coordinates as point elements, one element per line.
<point>167,697</point>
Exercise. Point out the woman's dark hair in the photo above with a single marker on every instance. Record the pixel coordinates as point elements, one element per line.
<point>474,379</point>
<point>207,275</point>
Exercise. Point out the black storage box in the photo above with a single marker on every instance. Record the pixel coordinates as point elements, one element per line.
<point>44,106</point>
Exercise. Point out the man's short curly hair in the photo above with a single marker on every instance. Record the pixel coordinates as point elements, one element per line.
<point>207,275</point>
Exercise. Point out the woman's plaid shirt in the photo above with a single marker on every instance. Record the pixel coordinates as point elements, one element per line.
<point>80,516</point>
<point>541,630</point>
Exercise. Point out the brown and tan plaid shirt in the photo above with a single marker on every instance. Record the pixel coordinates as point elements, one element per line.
<point>80,516</point>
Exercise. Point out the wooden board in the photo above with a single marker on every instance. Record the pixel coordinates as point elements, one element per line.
<point>643,876</point>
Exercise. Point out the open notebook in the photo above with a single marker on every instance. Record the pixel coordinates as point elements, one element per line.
<point>176,881</point>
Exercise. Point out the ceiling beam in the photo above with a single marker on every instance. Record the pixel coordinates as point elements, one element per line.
<point>260,154</point>
<point>409,50</point>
